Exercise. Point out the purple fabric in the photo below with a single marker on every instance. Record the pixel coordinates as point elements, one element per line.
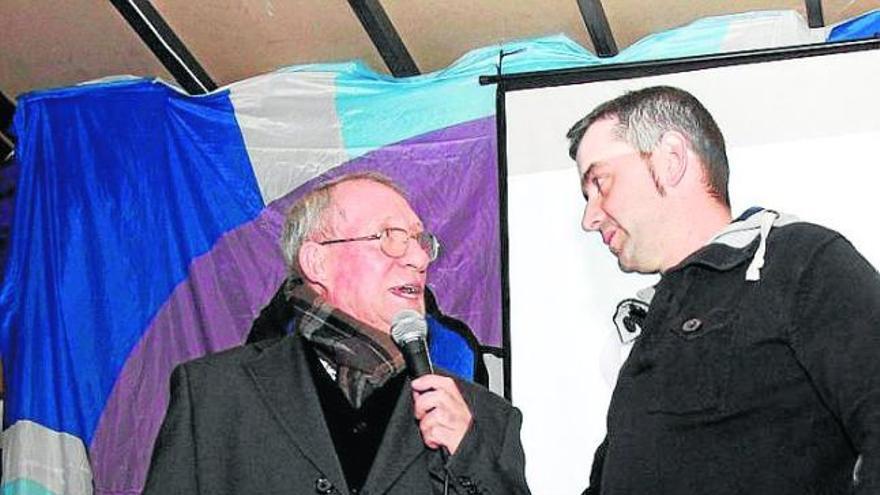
<point>8,180</point>
<point>451,177</point>
<point>211,311</point>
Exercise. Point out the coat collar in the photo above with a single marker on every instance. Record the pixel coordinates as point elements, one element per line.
<point>284,382</point>
<point>720,257</point>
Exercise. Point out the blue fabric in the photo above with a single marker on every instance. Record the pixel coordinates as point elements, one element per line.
<point>450,350</point>
<point>864,26</point>
<point>109,217</point>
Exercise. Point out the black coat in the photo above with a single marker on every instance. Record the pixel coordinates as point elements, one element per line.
<point>248,421</point>
<point>766,387</point>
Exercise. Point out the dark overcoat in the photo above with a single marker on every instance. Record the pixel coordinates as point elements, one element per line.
<point>248,421</point>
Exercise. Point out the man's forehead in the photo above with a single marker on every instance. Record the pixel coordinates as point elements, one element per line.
<point>600,143</point>
<point>366,203</point>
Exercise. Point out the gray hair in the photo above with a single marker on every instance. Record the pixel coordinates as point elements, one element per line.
<point>308,217</point>
<point>645,115</point>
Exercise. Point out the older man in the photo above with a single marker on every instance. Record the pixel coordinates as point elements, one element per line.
<point>756,368</point>
<point>327,409</point>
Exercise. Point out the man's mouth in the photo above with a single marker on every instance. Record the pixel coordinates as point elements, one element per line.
<point>409,291</point>
<point>607,236</point>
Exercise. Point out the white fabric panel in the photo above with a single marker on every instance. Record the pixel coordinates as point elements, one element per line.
<point>802,137</point>
<point>57,461</point>
<point>290,127</point>
<point>564,349</point>
<point>755,30</point>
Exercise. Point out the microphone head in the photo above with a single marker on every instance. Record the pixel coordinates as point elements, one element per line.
<point>408,325</point>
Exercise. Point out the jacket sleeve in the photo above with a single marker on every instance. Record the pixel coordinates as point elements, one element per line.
<point>173,465</point>
<point>836,337</point>
<point>596,472</point>
<point>490,459</point>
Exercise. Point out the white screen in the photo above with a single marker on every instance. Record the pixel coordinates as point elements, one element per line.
<point>802,136</point>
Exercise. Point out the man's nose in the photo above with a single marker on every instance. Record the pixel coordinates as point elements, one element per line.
<point>593,215</point>
<point>416,256</point>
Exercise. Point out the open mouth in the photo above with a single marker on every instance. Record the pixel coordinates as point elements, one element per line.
<point>607,236</point>
<point>410,291</point>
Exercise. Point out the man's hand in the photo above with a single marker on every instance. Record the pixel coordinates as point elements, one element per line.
<point>442,413</point>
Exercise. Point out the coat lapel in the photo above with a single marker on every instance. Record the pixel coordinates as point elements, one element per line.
<point>284,382</point>
<point>401,445</point>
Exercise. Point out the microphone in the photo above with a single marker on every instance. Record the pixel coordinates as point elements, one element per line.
<point>409,330</point>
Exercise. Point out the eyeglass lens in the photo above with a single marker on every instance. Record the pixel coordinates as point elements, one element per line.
<point>395,242</point>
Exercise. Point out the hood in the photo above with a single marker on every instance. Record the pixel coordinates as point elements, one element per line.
<point>754,223</point>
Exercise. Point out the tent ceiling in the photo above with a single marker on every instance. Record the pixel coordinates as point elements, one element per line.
<point>55,43</point>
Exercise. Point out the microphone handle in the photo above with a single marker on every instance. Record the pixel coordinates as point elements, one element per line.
<point>418,361</point>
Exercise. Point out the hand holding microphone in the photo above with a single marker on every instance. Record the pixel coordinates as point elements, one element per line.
<point>443,415</point>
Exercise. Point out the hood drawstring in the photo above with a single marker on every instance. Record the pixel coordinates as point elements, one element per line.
<point>753,273</point>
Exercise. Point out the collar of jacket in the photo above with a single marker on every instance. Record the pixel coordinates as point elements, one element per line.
<point>720,257</point>
<point>744,239</point>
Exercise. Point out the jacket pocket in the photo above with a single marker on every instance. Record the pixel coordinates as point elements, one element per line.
<point>692,365</point>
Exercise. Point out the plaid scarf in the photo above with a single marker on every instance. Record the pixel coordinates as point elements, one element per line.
<point>363,357</point>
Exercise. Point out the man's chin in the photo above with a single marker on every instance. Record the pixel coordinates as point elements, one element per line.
<point>625,268</point>
<point>629,266</point>
<point>626,263</point>
<point>417,306</point>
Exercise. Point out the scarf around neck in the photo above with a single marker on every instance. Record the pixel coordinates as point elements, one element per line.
<point>363,357</point>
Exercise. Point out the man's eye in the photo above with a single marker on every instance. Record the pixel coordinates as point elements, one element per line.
<point>598,182</point>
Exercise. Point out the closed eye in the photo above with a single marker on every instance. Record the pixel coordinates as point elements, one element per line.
<point>598,182</point>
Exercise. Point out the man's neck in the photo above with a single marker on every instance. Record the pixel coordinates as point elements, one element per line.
<point>695,226</point>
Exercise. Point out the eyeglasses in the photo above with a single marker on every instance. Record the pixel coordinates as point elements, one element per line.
<point>394,242</point>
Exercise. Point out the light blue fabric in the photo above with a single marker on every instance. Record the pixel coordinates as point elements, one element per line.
<point>24,487</point>
<point>701,37</point>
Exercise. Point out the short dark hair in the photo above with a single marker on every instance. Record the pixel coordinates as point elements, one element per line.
<point>645,115</point>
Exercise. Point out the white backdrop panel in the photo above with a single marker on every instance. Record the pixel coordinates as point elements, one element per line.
<point>802,138</point>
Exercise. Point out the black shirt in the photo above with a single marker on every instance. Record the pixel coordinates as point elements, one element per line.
<point>356,433</point>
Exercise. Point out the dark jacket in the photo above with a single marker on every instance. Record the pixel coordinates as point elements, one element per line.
<point>770,386</point>
<point>248,421</point>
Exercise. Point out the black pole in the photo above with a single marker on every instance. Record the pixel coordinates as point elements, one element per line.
<point>164,43</point>
<point>381,31</point>
<point>597,25</point>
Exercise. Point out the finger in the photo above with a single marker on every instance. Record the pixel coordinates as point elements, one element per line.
<point>426,402</point>
<point>452,420</point>
<point>436,434</point>
<point>428,382</point>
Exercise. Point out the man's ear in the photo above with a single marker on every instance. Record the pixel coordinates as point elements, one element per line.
<point>673,158</point>
<point>313,263</point>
